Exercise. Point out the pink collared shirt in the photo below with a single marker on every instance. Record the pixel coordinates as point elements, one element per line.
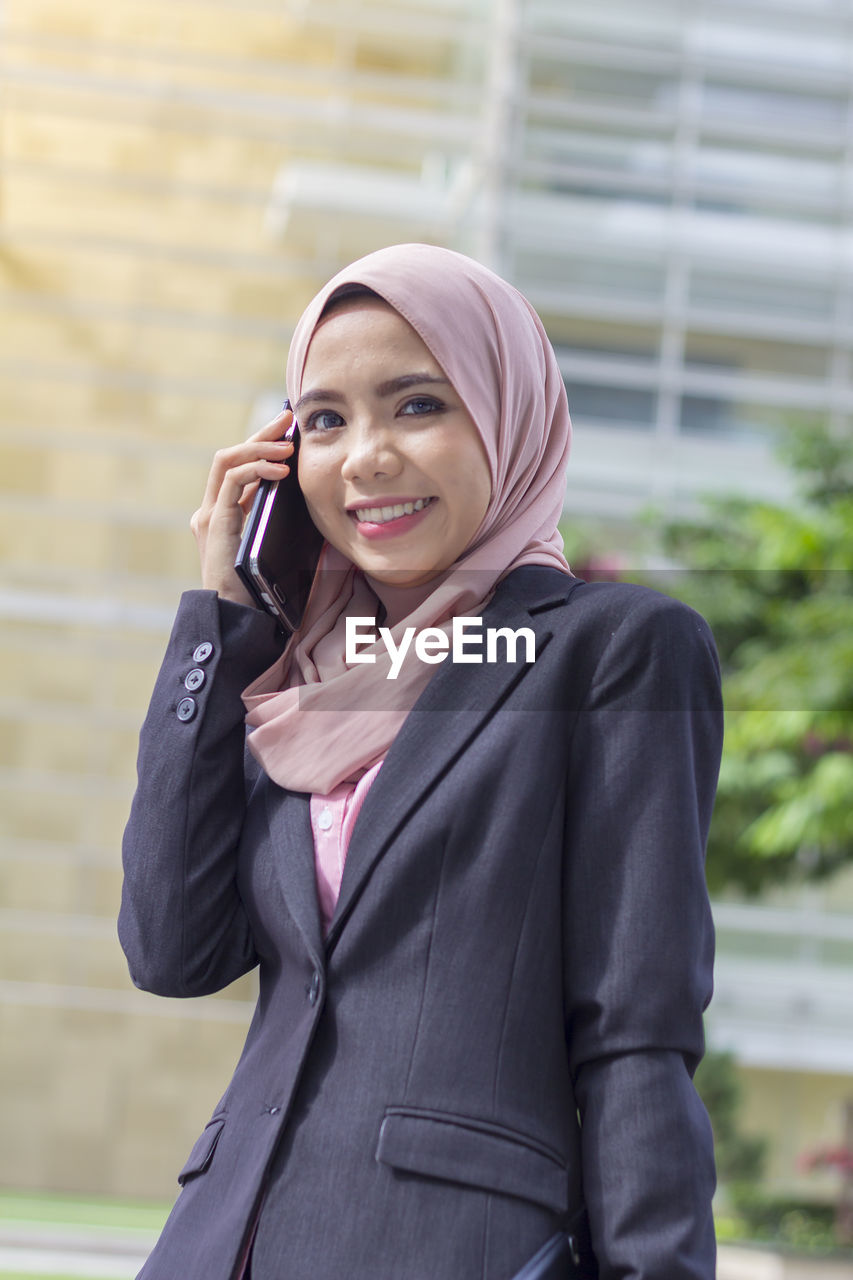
<point>332,820</point>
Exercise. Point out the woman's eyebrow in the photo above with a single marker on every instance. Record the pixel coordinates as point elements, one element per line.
<point>394,385</point>
<point>389,388</point>
<point>311,397</point>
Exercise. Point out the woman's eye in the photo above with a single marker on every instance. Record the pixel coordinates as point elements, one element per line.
<point>322,420</point>
<point>422,404</point>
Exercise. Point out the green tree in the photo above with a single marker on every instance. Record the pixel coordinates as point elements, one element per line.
<point>740,1157</point>
<point>776,584</point>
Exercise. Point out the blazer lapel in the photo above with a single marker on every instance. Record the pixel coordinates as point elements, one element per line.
<point>292,847</point>
<point>448,714</point>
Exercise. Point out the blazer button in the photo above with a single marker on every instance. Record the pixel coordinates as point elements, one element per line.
<point>186,709</point>
<point>194,679</point>
<point>314,988</point>
<point>203,652</point>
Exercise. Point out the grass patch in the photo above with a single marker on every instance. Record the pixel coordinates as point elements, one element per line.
<point>67,1210</point>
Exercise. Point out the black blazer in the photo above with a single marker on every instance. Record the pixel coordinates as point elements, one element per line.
<point>523,935</point>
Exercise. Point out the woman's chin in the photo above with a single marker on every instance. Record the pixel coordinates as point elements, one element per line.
<point>393,576</point>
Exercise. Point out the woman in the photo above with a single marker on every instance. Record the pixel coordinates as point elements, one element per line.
<point>474,891</point>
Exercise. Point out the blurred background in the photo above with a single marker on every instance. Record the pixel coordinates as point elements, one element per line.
<point>671,184</point>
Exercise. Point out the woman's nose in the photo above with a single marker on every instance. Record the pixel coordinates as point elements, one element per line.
<point>370,452</point>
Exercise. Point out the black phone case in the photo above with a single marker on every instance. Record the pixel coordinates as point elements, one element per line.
<point>279,548</point>
<point>552,1262</point>
<point>567,1255</point>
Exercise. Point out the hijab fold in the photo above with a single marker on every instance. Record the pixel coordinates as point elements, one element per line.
<point>316,722</point>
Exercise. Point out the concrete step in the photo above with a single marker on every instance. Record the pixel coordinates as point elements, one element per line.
<point>745,1262</point>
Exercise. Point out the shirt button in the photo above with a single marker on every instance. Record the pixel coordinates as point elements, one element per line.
<point>194,679</point>
<point>203,652</point>
<point>325,820</point>
<point>186,709</point>
<point>314,988</point>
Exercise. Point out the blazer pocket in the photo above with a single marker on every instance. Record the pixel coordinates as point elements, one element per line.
<point>202,1153</point>
<point>476,1153</point>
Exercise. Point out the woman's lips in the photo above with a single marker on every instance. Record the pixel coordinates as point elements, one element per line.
<point>390,519</point>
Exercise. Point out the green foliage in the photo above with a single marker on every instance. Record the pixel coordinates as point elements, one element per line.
<point>740,1157</point>
<point>752,1213</point>
<point>784,1224</point>
<point>776,585</point>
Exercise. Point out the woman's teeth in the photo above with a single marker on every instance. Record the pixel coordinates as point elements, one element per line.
<point>380,515</point>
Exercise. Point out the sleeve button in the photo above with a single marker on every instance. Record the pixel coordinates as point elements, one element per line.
<point>186,709</point>
<point>203,652</point>
<point>194,679</point>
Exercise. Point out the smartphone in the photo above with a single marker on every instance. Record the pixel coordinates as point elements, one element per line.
<point>280,546</point>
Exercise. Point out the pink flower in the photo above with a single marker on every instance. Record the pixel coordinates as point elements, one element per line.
<point>840,1158</point>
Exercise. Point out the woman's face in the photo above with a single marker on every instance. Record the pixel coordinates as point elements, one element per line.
<point>392,467</point>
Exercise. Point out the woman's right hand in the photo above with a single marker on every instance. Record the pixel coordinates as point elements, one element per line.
<point>234,476</point>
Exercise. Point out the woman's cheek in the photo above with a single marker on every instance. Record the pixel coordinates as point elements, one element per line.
<point>319,515</point>
<point>315,490</point>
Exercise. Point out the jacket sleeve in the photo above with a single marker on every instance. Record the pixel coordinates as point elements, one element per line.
<point>639,938</point>
<point>182,924</point>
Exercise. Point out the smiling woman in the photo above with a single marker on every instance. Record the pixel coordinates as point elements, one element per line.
<point>474,889</point>
<point>393,469</point>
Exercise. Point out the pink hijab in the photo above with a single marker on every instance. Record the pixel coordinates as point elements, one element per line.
<point>316,722</point>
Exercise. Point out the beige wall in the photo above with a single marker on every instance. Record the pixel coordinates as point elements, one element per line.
<point>144,309</point>
<point>798,1112</point>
